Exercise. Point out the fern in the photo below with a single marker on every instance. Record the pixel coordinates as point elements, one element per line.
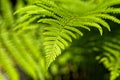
<point>57,23</point>
<point>66,23</point>
<point>110,56</point>
<point>11,46</point>
<point>5,61</point>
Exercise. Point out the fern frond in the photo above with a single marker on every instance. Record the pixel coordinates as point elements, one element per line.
<point>28,8</point>
<point>111,55</point>
<point>29,43</point>
<point>62,24</point>
<point>110,3</point>
<point>71,33</point>
<point>51,7</point>
<point>98,20</point>
<point>50,22</point>
<point>19,4</point>
<point>108,10</point>
<point>54,50</point>
<point>24,53</point>
<point>47,27</point>
<point>74,29</point>
<point>113,64</point>
<point>93,25</point>
<point>112,10</point>
<point>27,23</point>
<point>27,56</point>
<point>13,53</point>
<point>9,67</point>
<point>11,48</point>
<point>109,17</point>
<point>7,12</point>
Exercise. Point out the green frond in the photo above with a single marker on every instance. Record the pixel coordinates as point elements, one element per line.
<point>26,23</point>
<point>74,29</point>
<point>61,25</point>
<point>98,20</point>
<point>111,54</point>
<point>112,10</point>
<point>30,1</point>
<point>47,27</point>
<point>27,9</point>
<point>109,3</point>
<point>54,50</point>
<point>85,27</point>
<point>92,24</point>
<point>23,51</point>
<point>6,11</point>
<point>60,44</point>
<point>113,63</point>
<point>31,45</point>
<point>67,37</point>
<point>115,46</point>
<point>14,52</point>
<point>26,56</point>
<point>50,21</point>
<point>63,41</point>
<point>28,27</point>
<point>19,4</point>
<point>52,7</point>
<point>78,25</point>
<point>70,33</point>
<point>23,18</point>
<point>49,38</point>
<point>50,33</point>
<point>8,65</point>
<point>108,10</point>
<point>109,17</point>
<point>52,42</point>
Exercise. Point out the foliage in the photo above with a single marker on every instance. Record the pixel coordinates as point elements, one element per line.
<point>33,36</point>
